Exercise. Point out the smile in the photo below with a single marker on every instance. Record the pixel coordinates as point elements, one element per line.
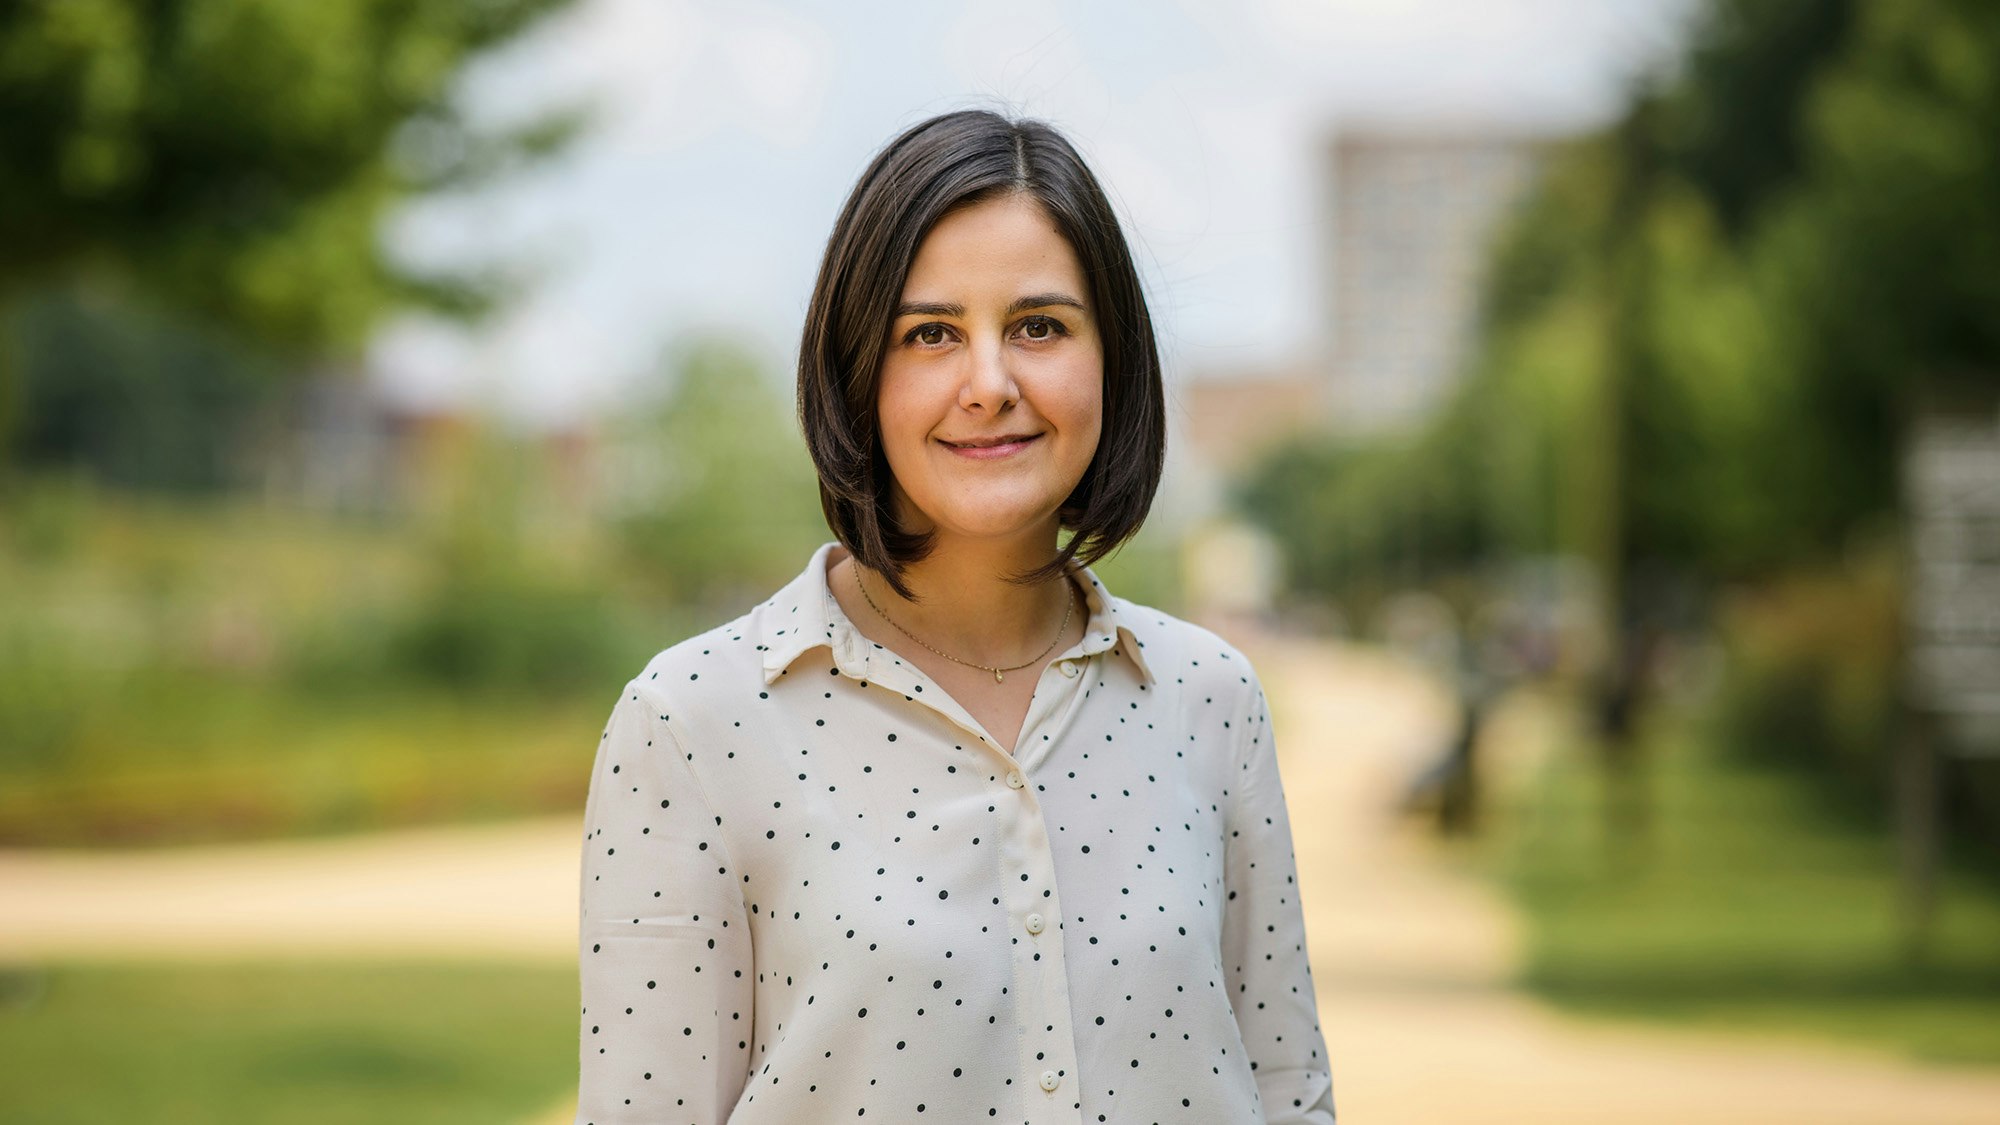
<point>1005,448</point>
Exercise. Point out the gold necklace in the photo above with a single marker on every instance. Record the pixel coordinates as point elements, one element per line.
<point>1068,609</point>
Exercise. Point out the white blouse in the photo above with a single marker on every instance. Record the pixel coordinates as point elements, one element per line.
<point>814,889</point>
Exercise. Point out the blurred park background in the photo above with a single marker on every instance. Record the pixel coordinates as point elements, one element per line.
<point>1587,414</point>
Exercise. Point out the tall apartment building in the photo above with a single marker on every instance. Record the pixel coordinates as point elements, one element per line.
<point>1414,214</point>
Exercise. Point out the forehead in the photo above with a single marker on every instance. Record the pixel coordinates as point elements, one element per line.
<point>1004,242</point>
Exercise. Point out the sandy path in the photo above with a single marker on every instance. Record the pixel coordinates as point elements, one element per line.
<point>504,891</point>
<point>1412,962</point>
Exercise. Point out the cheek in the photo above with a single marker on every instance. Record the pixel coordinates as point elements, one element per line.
<point>899,411</point>
<point>1078,401</point>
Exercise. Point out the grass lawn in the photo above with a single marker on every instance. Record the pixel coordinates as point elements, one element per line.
<point>1756,906</point>
<point>285,1044</point>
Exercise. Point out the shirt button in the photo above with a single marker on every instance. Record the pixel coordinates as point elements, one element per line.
<point>1050,1080</point>
<point>1015,779</point>
<point>1069,668</point>
<point>1034,923</point>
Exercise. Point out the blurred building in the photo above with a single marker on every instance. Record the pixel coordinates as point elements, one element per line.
<point>1411,212</point>
<point>1230,418</point>
<point>339,446</point>
<point>1414,211</point>
<point>327,447</point>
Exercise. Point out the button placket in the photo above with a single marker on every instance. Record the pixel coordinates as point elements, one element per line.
<point>1048,1045</point>
<point>1046,1055</point>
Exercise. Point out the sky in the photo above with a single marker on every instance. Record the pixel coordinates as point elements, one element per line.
<point>724,138</point>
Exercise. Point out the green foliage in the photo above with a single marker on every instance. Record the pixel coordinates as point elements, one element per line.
<point>232,154</point>
<point>1812,676</point>
<point>1146,569</point>
<point>1548,248</point>
<point>1734,126</point>
<point>1702,330</point>
<point>137,400</point>
<point>232,160</point>
<point>498,605</point>
<point>1337,531</point>
<point>44,696</point>
<point>175,668</point>
<point>1702,337</point>
<point>503,630</point>
<point>297,1044</point>
<point>724,502</point>
<point>174,671</point>
<point>186,759</point>
<point>1904,166</point>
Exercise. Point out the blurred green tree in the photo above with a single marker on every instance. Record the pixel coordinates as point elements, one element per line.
<point>1734,125</point>
<point>137,399</point>
<point>1702,340</point>
<point>231,159</point>
<point>723,500</point>
<point>1816,242</point>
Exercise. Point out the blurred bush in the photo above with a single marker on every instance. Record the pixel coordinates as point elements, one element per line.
<point>178,667</point>
<point>133,398</point>
<point>172,671</point>
<point>47,688</point>
<point>1812,678</point>
<point>1812,684</point>
<point>719,504</point>
<point>514,632</point>
<point>486,600</point>
<point>492,631</point>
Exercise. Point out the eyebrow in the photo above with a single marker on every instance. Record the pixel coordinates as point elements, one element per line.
<point>1020,305</point>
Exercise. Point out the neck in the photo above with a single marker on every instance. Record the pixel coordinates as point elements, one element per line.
<point>965,606</point>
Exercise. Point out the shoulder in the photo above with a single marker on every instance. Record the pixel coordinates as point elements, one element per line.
<point>1185,655</point>
<point>715,659</point>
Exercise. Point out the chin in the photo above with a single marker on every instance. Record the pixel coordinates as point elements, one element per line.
<point>990,523</point>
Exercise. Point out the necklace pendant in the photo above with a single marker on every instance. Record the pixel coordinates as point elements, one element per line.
<point>997,677</point>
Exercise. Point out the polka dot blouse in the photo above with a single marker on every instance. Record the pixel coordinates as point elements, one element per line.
<point>815,890</point>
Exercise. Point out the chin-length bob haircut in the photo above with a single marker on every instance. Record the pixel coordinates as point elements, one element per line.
<point>936,167</point>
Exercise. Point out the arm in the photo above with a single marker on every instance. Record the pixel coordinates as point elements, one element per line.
<point>664,956</point>
<point>1263,931</point>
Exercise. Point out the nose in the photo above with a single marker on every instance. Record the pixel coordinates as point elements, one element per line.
<point>988,384</point>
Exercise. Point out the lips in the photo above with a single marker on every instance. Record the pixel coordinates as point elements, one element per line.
<point>987,443</point>
<point>992,449</point>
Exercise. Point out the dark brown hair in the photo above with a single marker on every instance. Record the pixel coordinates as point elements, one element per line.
<point>935,167</point>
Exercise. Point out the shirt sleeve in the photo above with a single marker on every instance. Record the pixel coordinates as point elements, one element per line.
<point>1263,931</point>
<point>664,953</point>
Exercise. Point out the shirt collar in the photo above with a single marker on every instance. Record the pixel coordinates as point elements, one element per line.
<point>803,615</point>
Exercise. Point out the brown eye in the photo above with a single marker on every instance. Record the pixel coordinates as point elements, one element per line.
<point>1040,328</point>
<point>931,335</point>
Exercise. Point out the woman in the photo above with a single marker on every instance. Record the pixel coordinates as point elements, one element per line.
<point>944,830</point>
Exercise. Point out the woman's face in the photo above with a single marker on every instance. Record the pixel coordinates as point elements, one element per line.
<point>994,339</point>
